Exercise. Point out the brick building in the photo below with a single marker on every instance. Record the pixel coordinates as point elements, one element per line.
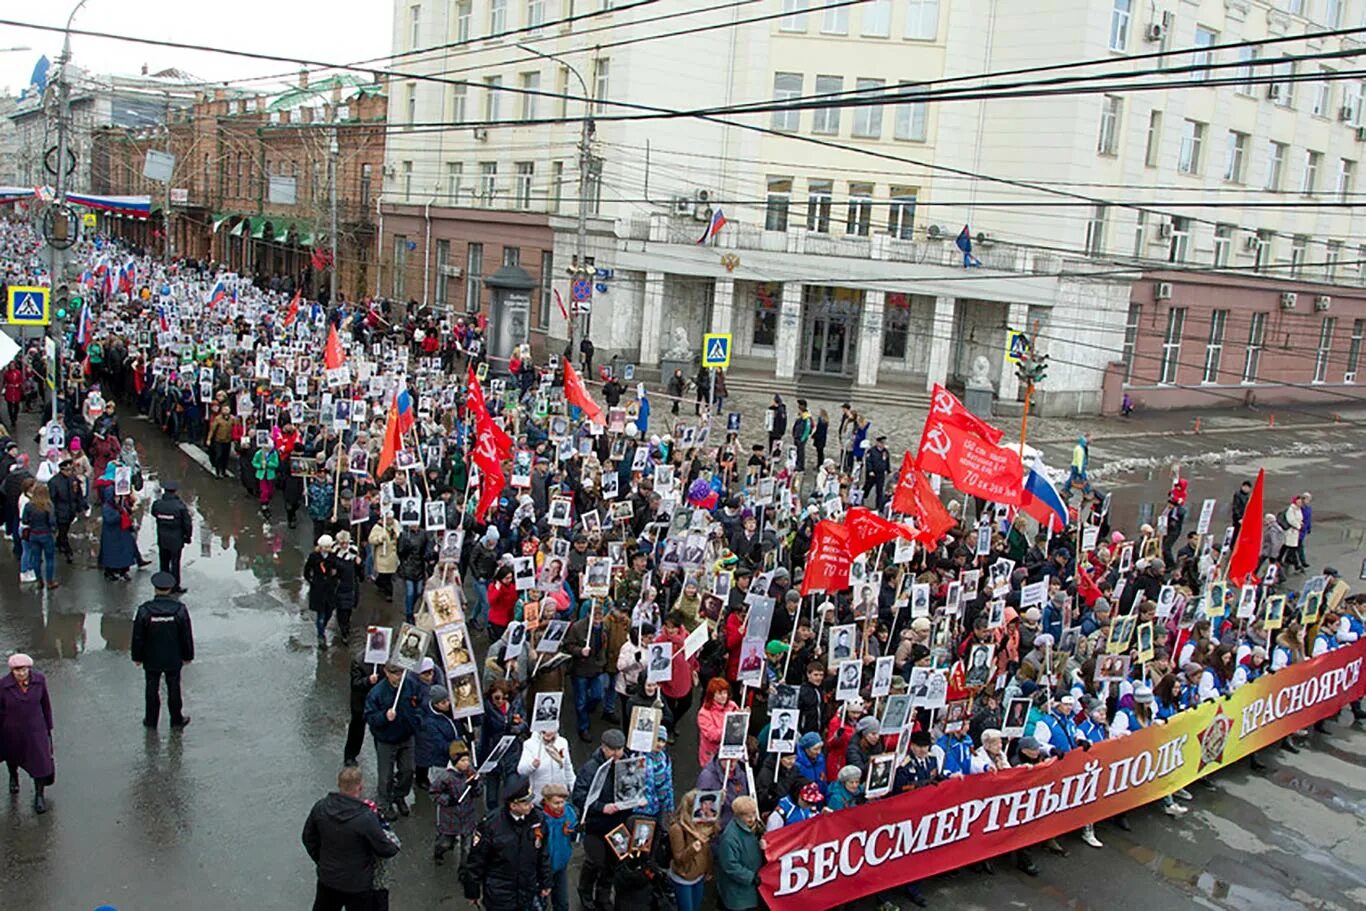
<point>250,184</point>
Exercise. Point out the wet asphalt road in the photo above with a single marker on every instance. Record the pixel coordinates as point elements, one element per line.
<point>210,817</point>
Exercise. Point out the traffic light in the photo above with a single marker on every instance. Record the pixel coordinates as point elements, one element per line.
<point>60,302</point>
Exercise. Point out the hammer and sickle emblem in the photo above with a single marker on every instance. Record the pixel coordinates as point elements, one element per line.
<point>937,442</point>
<point>943,402</point>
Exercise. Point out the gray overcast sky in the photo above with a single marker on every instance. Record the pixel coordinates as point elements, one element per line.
<point>308,28</point>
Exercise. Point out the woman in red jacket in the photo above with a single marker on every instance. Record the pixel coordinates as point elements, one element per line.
<point>711,719</point>
<point>502,602</point>
<point>14,391</point>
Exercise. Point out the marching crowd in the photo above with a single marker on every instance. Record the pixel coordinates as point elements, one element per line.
<point>648,570</point>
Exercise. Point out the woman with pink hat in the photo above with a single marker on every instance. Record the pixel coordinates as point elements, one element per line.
<point>26,727</point>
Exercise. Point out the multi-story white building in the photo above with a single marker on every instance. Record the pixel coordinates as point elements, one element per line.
<point>837,265</point>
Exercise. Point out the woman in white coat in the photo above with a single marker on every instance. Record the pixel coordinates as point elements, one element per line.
<point>546,760</point>
<point>1293,524</point>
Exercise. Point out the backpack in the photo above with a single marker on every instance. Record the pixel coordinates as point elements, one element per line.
<point>1282,521</point>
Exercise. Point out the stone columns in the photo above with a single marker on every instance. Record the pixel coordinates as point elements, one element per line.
<point>941,342</point>
<point>787,345</point>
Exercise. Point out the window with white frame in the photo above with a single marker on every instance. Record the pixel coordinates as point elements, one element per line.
<point>1354,350</point>
<point>777,203</point>
<point>547,287</point>
<point>794,16</point>
<point>1332,13</point>
<point>922,19</point>
<point>1235,161</point>
<point>1246,70</point>
<point>877,18</point>
<point>911,119</point>
<point>1275,165</point>
<point>1214,345</point>
<point>1256,338</point>
<point>414,20</point>
<point>400,264</point>
<point>819,194</point>
<point>1264,249</point>
<point>1325,348</point>
<point>455,176</point>
<point>1120,19</point>
<point>498,16</point>
<point>1204,40</point>
<point>535,13</point>
<point>785,87</point>
<point>474,277</point>
<point>836,20</point>
<point>410,105</point>
<point>827,120</point>
<point>868,117</point>
<point>556,185</point>
<point>1095,230</point>
<point>488,182</point>
<point>602,71</point>
<point>1192,145</point>
<point>1299,249</point>
<point>406,171</point>
<point>464,11</point>
<point>526,174</point>
<point>1322,105</point>
<point>1223,245</point>
<point>443,259</point>
<point>1312,160</point>
<point>493,98</point>
<point>1295,7</point>
<point>459,94</point>
<point>531,84</point>
<point>1153,144</point>
<point>859,220</point>
<point>901,212</point>
<point>1179,248</point>
<point>1332,254</point>
<point>1347,169</point>
<point>1283,90</point>
<point>1131,325</point>
<point>1140,232</point>
<point>1171,346</point>
<point>1111,109</point>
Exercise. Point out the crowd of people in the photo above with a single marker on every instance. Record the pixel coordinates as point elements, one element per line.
<point>643,568</point>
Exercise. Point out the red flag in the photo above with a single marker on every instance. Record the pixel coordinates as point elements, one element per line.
<point>867,530</point>
<point>975,465</point>
<point>561,303</point>
<point>479,413</point>
<point>946,407</point>
<point>828,560</point>
<point>917,499</point>
<point>1087,590</point>
<point>1247,550</point>
<point>486,458</point>
<point>903,495</point>
<point>393,439</point>
<point>332,353</point>
<point>577,394</point>
<point>293,312</point>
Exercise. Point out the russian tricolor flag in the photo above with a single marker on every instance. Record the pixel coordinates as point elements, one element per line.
<point>403,408</point>
<point>218,294</point>
<point>718,221</point>
<point>83,325</point>
<point>1041,501</point>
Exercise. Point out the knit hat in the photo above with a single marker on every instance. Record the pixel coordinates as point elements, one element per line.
<point>614,739</point>
<point>868,725</point>
<point>811,793</point>
<point>1143,693</point>
<point>809,739</point>
<point>438,693</point>
<point>427,665</point>
<point>1028,743</point>
<point>18,660</point>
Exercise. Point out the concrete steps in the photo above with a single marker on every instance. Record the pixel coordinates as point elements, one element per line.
<point>826,392</point>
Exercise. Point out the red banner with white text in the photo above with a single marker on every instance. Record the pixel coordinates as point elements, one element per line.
<point>841,857</point>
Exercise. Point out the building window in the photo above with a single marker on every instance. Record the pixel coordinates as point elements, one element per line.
<point>512,256</point>
<point>828,119</point>
<point>794,16</point>
<point>777,203</point>
<point>1275,164</point>
<point>1246,70</point>
<point>414,18</point>
<point>766,299</point>
<point>498,16</point>
<point>407,169</point>
<point>1179,248</point>
<point>1095,230</point>
<point>901,213</point>
<point>526,172</point>
<point>859,220</point>
<point>455,177</point>
<point>836,20</point>
<point>922,19</point>
<point>1131,324</point>
<point>1323,95</point>
<point>1153,148</point>
<point>1140,231</point>
<point>1214,347</point>
<point>818,197</point>
<point>1283,93</point>
<point>1312,160</point>
<point>556,185</point>
<point>786,86</point>
<point>602,71</point>
<point>531,84</point>
<point>877,18</point>
<point>1332,254</point>
<point>443,259</point>
<point>458,95</point>
<point>1111,108</point>
<point>547,287</point>
<point>1346,178</point>
<point>1171,346</point>
<point>409,105</point>
<point>1203,56</point>
<point>1332,13</point>
<point>474,277</point>
<point>1354,352</point>
<point>911,119</point>
<point>1192,144</point>
<point>463,13</point>
<point>868,117</point>
<point>1120,19</point>
<point>488,182</point>
<point>493,98</point>
<point>1298,246</point>
<point>535,13</point>
<point>1325,347</point>
<point>896,324</point>
<point>1236,164</point>
<point>367,175</point>
<point>1256,338</point>
<point>400,264</point>
<point>1223,245</point>
<point>1264,247</point>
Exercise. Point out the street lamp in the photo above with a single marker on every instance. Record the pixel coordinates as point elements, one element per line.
<point>580,266</point>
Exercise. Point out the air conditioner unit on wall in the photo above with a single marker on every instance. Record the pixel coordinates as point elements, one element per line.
<point>682,205</point>
<point>1164,231</point>
<point>1288,299</point>
<point>1322,302</point>
<point>1155,31</point>
<point>452,271</point>
<point>1162,291</point>
<point>481,134</point>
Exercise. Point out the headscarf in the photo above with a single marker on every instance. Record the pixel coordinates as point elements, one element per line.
<point>128,455</point>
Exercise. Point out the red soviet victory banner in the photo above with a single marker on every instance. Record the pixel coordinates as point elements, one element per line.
<point>915,497</point>
<point>975,466</point>
<point>867,530</point>
<point>488,460</point>
<point>577,394</point>
<point>946,407</point>
<point>836,858</point>
<point>828,560</point>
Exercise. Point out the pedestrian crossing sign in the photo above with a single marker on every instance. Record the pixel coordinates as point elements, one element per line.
<point>27,306</point>
<point>1017,346</point>
<point>716,349</point>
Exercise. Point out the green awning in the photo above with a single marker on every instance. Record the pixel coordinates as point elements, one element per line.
<point>305,237</point>
<point>258,228</point>
<point>219,219</point>
<point>282,232</point>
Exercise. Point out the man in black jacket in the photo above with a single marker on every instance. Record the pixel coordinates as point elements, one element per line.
<point>68,500</point>
<point>877,464</point>
<point>594,792</point>
<point>174,530</point>
<point>344,838</point>
<point>508,868</point>
<point>163,643</point>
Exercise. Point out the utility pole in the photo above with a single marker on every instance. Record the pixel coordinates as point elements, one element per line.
<point>166,208</point>
<point>334,155</point>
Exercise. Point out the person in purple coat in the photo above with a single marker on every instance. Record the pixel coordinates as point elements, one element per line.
<point>26,728</point>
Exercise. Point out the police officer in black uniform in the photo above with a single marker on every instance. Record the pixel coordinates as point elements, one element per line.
<point>163,643</point>
<point>508,868</point>
<point>174,529</point>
